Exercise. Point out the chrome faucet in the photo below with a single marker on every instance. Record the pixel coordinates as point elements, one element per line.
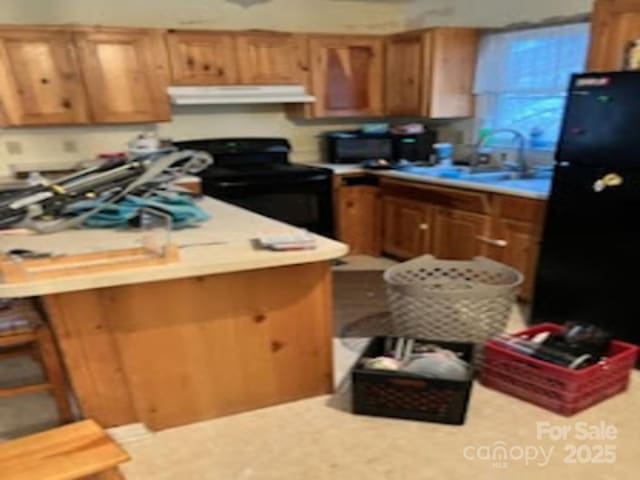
<point>520,165</point>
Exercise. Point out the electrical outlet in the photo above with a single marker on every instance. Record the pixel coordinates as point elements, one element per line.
<point>69,146</point>
<point>14,148</point>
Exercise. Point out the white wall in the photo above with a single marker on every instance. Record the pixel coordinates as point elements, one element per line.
<point>348,16</point>
<point>357,16</point>
<point>490,13</point>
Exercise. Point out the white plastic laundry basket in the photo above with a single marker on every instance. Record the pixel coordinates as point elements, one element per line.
<point>462,301</point>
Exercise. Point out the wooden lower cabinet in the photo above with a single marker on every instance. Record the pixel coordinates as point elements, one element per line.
<point>406,227</point>
<point>419,219</point>
<point>520,251</point>
<point>458,235</point>
<point>358,219</point>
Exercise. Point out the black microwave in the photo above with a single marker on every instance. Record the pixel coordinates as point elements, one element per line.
<point>356,146</point>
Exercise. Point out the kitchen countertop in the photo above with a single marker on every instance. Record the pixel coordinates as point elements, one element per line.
<point>538,192</point>
<point>223,244</point>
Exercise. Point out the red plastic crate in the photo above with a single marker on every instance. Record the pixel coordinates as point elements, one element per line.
<point>557,388</point>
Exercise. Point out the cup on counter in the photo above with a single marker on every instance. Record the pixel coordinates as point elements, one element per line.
<point>444,154</point>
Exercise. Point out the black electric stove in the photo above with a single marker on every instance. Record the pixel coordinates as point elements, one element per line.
<point>256,174</point>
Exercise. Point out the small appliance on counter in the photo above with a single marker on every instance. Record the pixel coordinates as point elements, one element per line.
<point>380,149</point>
<point>256,174</point>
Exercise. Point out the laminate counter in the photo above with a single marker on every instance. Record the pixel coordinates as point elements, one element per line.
<point>224,244</point>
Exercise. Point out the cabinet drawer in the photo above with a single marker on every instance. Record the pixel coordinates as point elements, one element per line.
<point>520,209</point>
<point>465,200</point>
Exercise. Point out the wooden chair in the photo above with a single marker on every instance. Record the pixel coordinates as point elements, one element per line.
<point>22,332</point>
<point>77,450</point>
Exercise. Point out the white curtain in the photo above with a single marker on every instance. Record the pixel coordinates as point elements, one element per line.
<point>531,61</point>
<point>522,79</point>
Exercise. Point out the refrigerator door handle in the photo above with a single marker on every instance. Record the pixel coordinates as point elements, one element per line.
<point>493,241</point>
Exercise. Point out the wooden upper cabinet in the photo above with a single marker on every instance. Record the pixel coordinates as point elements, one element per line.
<point>202,58</point>
<point>452,57</point>
<point>347,75</point>
<point>40,81</point>
<point>126,75</point>
<point>404,74</point>
<point>430,73</point>
<point>616,23</point>
<point>267,58</point>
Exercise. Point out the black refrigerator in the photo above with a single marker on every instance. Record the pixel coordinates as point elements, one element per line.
<point>589,266</point>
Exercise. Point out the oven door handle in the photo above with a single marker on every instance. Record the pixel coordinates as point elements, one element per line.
<point>245,183</point>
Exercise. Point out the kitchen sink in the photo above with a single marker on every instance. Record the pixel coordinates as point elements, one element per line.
<point>537,180</point>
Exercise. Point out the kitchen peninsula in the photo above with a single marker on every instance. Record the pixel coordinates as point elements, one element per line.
<point>227,328</point>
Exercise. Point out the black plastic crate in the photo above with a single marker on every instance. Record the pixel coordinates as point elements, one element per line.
<point>385,393</point>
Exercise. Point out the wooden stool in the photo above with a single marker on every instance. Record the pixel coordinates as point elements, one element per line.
<point>22,332</point>
<point>78,450</point>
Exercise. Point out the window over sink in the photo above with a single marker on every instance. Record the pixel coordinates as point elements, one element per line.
<point>522,79</point>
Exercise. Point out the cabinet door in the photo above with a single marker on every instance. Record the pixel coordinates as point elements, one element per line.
<point>359,219</point>
<point>40,81</point>
<point>452,55</point>
<point>404,79</point>
<point>458,235</point>
<point>406,227</point>
<point>125,73</point>
<point>347,76</point>
<point>202,58</point>
<point>272,58</point>
<point>520,250</point>
<point>616,23</point>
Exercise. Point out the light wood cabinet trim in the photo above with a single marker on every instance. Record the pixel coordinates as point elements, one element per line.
<point>180,351</point>
<point>452,65</point>
<point>220,69</point>
<point>318,47</point>
<point>57,95</point>
<point>405,74</point>
<point>81,323</point>
<point>152,73</point>
<point>289,50</point>
<point>79,450</point>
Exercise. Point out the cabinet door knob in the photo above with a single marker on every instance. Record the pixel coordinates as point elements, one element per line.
<point>493,241</point>
<point>423,226</point>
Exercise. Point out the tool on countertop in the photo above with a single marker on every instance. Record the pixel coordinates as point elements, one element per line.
<point>49,207</point>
